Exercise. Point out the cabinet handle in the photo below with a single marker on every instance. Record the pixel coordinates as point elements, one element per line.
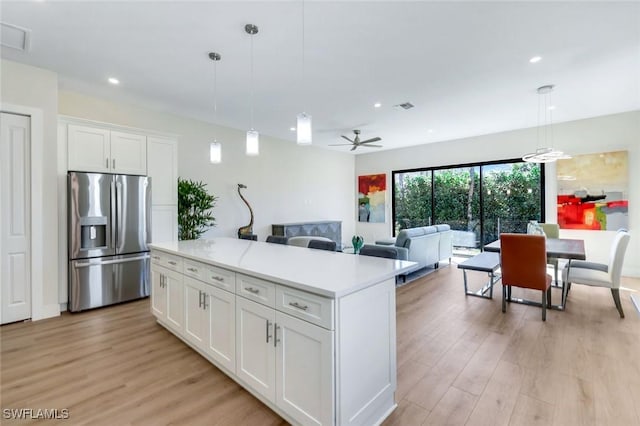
<point>171,262</point>
<point>267,331</point>
<point>192,269</point>
<point>161,281</point>
<point>204,300</point>
<point>199,299</point>
<point>106,163</point>
<point>156,257</point>
<point>113,164</point>
<point>217,278</point>
<point>252,290</point>
<point>299,306</point>
<point>275,335</point>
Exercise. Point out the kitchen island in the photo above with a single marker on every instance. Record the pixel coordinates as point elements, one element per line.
<point>311,333</point>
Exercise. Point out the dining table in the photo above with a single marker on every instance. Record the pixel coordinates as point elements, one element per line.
<point>557,248</point>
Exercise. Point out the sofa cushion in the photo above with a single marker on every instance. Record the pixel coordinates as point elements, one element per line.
<point>404,236</point>
<point>443,227</point>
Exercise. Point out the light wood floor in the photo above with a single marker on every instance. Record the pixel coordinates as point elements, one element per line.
<point>460,361</point>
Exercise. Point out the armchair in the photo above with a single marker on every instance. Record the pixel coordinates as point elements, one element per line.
<point>600,274</point>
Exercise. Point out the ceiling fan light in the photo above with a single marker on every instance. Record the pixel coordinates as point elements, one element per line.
<point>215,152</point>
<point>304,129</point>
<point>253,143</point>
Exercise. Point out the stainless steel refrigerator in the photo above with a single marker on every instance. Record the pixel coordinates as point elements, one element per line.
<point>109,229</point>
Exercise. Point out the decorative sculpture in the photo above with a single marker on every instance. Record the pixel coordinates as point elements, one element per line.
<point>246,232</point>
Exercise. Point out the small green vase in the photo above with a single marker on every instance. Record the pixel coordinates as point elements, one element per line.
<point>357,242</point>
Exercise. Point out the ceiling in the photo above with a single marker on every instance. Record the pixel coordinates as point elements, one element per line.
<point>464,65</point>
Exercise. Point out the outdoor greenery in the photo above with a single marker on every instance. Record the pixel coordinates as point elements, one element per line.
<point>195,206</point>
<point>511,197</point>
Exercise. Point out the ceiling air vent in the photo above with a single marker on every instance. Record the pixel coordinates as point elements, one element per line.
<point>405,105</point>
<point>15,37</point>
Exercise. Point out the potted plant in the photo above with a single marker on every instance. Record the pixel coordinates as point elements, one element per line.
<point>195,206</point>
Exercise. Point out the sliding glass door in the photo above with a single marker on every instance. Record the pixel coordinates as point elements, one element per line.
<point>477,200</point>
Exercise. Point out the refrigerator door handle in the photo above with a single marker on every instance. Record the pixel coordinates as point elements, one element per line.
<point>118,207</point>
<point>110,262</point>
<point>113,214</point>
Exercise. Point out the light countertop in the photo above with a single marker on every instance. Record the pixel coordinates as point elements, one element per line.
<point>329,274</point>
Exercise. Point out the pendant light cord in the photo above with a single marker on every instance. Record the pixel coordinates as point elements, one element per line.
<point>303,69</point>
<point>215,92</point>
<point>251,91</point>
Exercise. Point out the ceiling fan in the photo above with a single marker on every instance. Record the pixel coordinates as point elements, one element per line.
<point>356,142</point>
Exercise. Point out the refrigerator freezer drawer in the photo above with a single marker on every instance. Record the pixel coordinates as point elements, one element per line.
<point>107,280</point>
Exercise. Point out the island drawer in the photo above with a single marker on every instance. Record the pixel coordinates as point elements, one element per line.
<point>306,306</point>
<point>167,260</point>
<point>258,290</point>
<point>221,278</point>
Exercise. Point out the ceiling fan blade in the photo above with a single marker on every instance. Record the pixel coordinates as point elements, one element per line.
<point>354,148</point>
<point>340,144</point>
<point>372,146</point>
<point>344,137</point>
<point>376,139</point>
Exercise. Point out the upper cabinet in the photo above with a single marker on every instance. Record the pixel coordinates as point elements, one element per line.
<point>94,149</point>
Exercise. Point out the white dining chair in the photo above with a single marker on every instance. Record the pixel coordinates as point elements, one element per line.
<point>600,274</point>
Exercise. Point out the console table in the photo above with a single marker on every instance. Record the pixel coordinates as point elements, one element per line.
<point>331,229</point>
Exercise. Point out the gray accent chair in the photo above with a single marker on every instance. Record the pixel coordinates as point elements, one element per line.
<point>303,240</point>
<point>388,252</point>
<point>277,239</point>
<point>322,245</point>
<point>600,274</point>
<point>552,230</point>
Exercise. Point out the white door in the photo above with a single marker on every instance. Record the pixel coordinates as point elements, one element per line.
<point>221,316</point>
<point>162,167</point>
<point>255,363</point>
<point>89,149</point>
<point>174,289</point>
<point>15,213</point>
<point>158,293</point>
<point>195,316</point>
<point>128,153</point>
<point>304,370</point>
<point>164,221</point>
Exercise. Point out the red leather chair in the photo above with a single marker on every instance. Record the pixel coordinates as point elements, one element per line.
<point>523,260</point>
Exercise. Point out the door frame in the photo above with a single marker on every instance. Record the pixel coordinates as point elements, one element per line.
<point>39,310</point>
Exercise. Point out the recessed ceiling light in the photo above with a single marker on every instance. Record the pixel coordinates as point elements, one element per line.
<point>551,107</point>
<point>113,80</point>
<point>430,131</point>
<point>535,59</point>
<point>293,129</point>
<point>377,105</point>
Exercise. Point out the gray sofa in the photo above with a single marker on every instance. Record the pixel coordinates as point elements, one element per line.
<point>427,245</point>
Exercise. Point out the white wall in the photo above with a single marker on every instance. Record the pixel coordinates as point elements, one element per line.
<point>617,132</point>
<point>37,88</point>
<point>285,183</point>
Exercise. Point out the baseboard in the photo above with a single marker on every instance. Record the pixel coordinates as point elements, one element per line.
<point>46,311</point>
<point>635,299</point>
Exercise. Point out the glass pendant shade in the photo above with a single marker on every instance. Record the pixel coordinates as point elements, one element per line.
<point>253,142</point>
<point>215,152</point>
<point>304,129</point>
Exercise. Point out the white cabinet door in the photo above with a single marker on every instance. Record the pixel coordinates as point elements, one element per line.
<point>304,370</point>
<point>89,149</point>
<point>158,293</point>
<point>128,153</point>
<point>164,223</point>
<point>175,299</point>
<point>195,320</point>
<point>255,358</point>
<point>162,167</point>
<point>221,317</point>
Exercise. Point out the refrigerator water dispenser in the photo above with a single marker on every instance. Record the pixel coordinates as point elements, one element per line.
<point>93,233</point>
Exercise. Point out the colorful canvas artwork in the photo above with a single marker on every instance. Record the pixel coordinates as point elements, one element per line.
<point>593,191</point>
<point>372,190</point>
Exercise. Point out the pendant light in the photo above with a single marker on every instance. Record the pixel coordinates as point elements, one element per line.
<point>215,148</point>
<point>545,153</point>
<point>303,125</point>
<point>253,137</point>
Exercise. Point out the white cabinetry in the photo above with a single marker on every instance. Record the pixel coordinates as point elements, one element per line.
<point>299,352</point>
<point>167,297</point>
<point>162,167</point>
<point>100,150</point>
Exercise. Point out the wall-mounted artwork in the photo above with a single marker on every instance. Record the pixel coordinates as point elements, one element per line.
<point>372,190</point>
<point>593,191</point>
